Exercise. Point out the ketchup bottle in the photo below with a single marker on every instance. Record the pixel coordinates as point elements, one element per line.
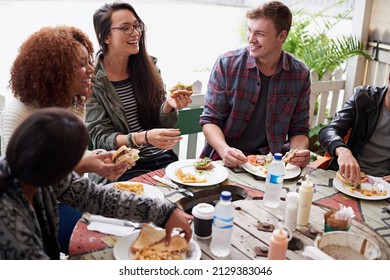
<point>278,245</point>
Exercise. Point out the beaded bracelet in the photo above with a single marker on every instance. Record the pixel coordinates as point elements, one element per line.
<point>132,138</point>
<point>129,142</point>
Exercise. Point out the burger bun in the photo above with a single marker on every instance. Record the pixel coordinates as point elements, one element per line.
<point>125,154</point>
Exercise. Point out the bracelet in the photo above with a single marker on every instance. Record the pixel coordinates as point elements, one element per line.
<point>146,137</point>
<point>129,142</point>
<point>132,138</point>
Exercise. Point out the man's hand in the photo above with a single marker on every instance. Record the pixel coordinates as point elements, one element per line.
<point>348,165</point>
<point>387,178</point>
<point>233,157</point>
<point>301,158</point>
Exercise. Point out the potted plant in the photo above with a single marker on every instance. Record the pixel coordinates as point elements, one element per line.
<point>315,48</point>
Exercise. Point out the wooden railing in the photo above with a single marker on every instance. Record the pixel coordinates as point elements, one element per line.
<point>326,98</point>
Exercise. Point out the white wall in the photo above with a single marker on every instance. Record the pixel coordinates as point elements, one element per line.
<point>186,37</point>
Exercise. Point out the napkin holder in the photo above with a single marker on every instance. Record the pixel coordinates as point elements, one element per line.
<point>333,224</point>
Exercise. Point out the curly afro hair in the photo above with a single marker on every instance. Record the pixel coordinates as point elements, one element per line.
<point>43,71</point>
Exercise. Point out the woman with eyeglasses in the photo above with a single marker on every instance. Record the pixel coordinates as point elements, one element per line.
<point>129,105</point>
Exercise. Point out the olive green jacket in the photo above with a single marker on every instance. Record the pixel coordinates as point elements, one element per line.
<point>105,115</point>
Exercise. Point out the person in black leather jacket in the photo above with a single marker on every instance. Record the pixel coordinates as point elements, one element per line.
<point>366,114</point>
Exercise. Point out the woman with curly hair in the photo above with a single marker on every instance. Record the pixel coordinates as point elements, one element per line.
<point>129,105</point>
<point>54,69</point>
<point>35,175</point>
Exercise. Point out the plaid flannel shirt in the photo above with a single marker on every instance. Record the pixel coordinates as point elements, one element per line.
<point>233,91</point>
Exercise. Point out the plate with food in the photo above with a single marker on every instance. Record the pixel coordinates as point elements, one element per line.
<point>196,172</point>
<point>369,188</point>
<point>148,244</point>
<point>258,165</point>
<point>138,188</point>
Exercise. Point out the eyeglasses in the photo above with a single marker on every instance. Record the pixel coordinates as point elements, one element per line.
<point>129,29</point>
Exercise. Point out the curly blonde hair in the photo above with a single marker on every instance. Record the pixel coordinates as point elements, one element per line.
<point>44,69</point>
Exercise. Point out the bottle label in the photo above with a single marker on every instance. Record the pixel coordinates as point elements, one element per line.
<point>275,179</point>
<point>223,222</point>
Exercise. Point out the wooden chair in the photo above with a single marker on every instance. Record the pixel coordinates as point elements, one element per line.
<point>189,125</point>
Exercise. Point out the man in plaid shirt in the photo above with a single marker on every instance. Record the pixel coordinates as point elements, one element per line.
<point>257,99</point>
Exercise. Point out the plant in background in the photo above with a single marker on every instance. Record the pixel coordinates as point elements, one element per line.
<point>319,52</point>
<point>309,41</point>
<point>314,145</point>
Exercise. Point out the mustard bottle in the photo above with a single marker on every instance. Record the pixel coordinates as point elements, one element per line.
<point>304,203</point>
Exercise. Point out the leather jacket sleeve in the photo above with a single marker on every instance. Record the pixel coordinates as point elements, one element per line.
<point>331,136</point>
<point>359,114</point>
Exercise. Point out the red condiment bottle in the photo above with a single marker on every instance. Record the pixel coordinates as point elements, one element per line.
<point>278,245</point>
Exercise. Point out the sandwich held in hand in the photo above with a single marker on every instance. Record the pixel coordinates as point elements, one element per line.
<point>150,245</point>
<point>289,155</point>
<point>180,89</point>
<point>125,154</point>
<point>203,164</point>
<point>363,178</point>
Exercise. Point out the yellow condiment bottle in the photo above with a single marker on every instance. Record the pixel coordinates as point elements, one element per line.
<point>304,204</point>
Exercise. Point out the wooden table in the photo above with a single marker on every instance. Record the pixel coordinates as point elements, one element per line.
<point>371,219</point>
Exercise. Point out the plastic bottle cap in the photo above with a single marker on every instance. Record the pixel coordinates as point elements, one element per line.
<point>226,195</point>
<point>278,156</point>
<point>280,234</point>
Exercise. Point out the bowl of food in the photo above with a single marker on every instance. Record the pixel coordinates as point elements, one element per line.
<point>342,245</point>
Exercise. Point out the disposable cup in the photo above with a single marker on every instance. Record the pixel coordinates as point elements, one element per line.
<point>203,219</point>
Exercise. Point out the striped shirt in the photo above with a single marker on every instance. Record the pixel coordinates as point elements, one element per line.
<point>125,92</point>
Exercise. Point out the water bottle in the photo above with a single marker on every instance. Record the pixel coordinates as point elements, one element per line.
<point>274,182</point>
<point>222,228</point>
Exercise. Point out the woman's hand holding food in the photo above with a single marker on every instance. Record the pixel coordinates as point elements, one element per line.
<point>164,138</point>
<point>102,165</point>
<point>348,165</point>
<point>179,97</point>
<point>179,102</point>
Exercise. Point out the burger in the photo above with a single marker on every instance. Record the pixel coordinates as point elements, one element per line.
<point>203,164</point>
<point>125,154</point>
<point>363,178</point>
<point>180,89</point>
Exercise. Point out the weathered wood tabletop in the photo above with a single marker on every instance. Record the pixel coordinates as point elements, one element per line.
<point>371,217</point>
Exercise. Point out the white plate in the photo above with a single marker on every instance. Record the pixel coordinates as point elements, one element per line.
<point>122,248</point>
<point>292,171</point>
<point>214,176</point>
<point>344,189</point>
<point>150,191</point>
